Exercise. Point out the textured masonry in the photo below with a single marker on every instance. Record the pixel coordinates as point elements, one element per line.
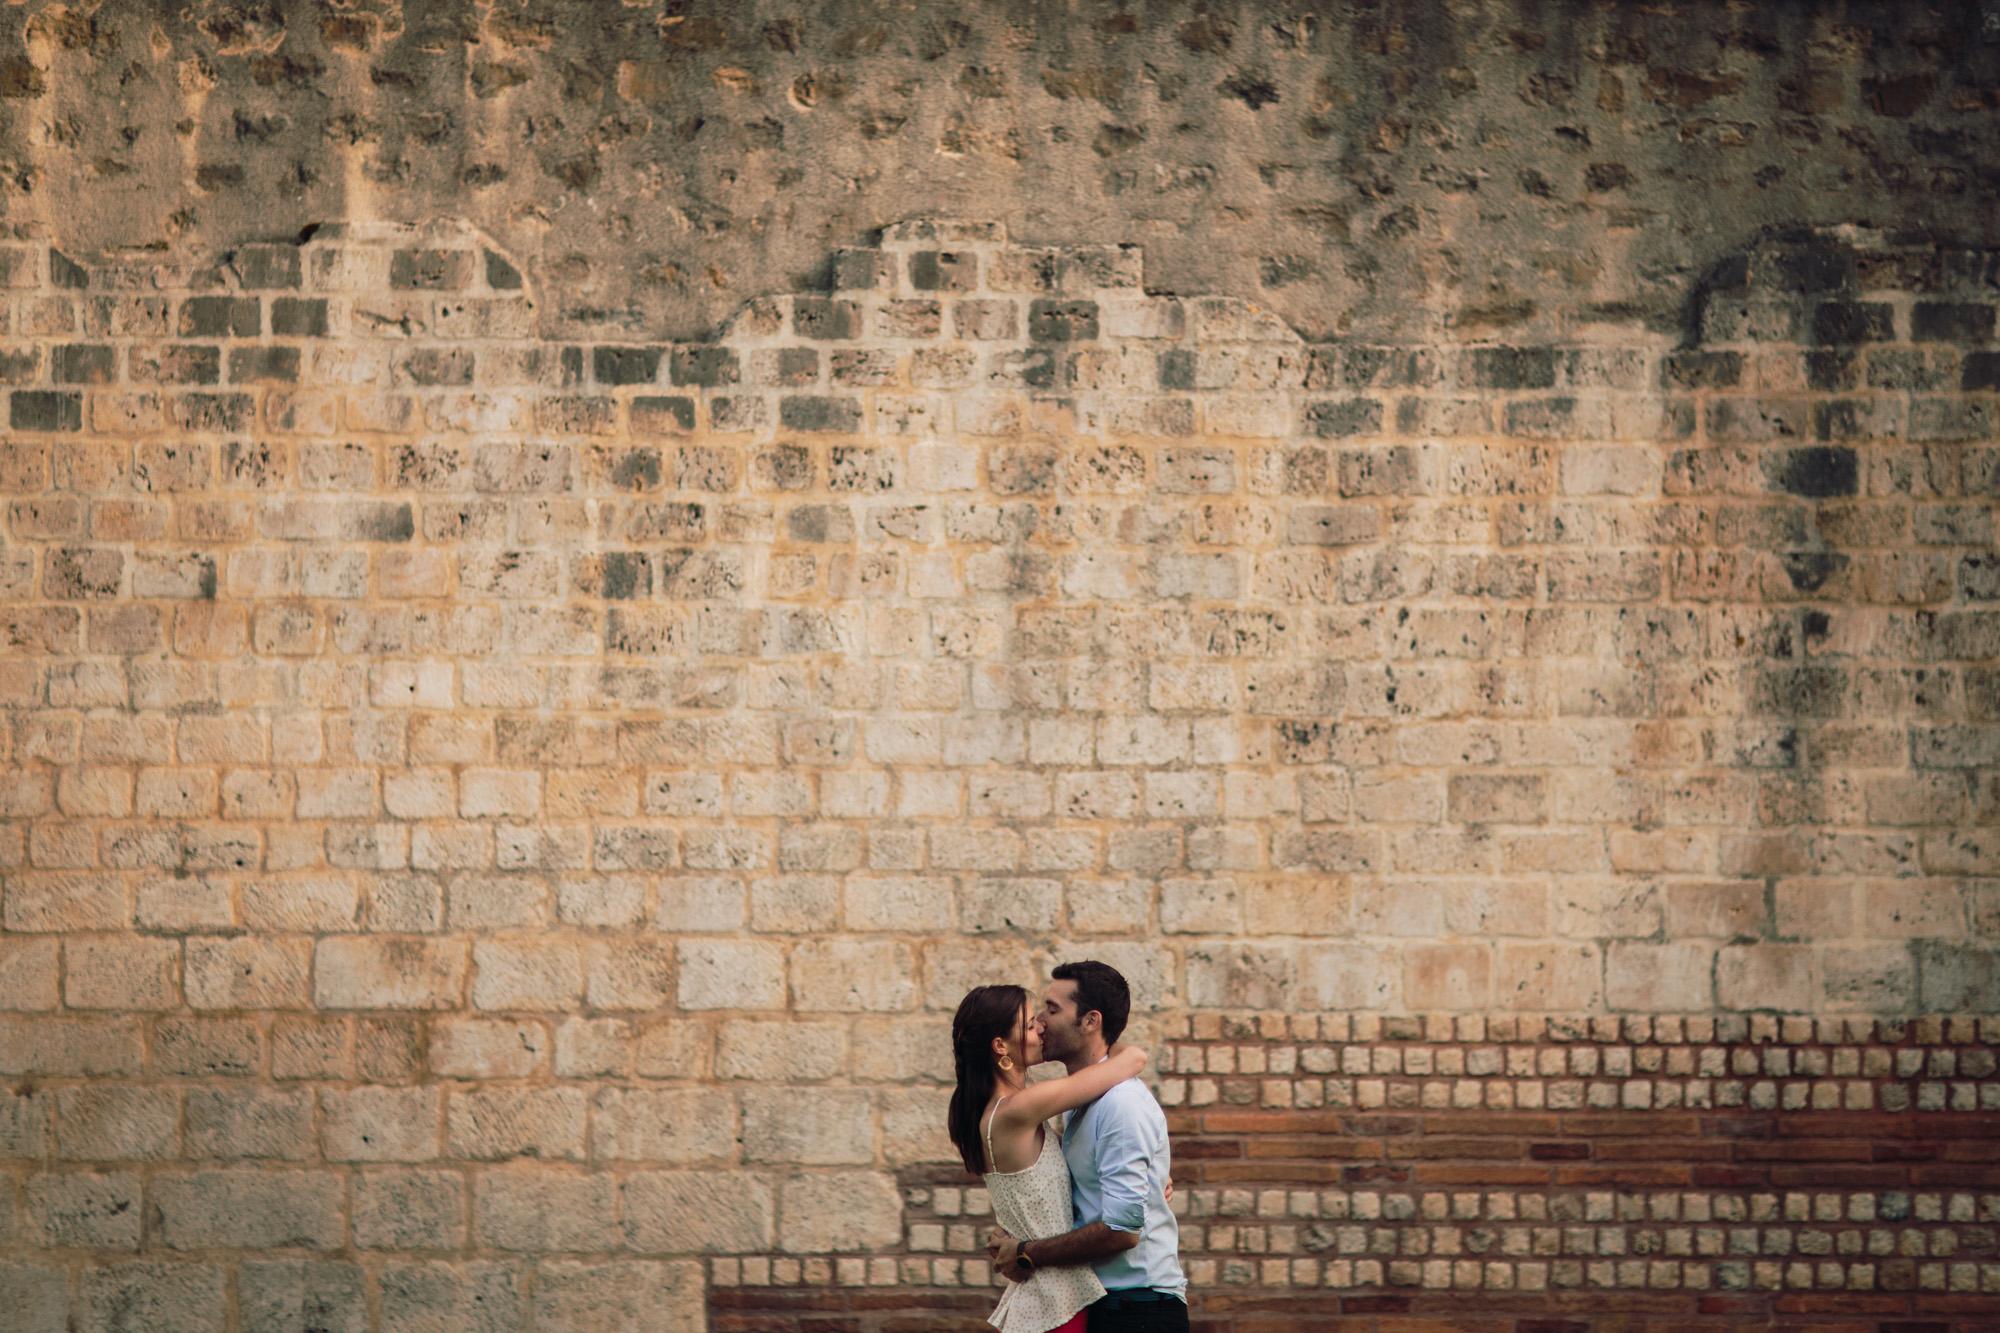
<point>492,827</point>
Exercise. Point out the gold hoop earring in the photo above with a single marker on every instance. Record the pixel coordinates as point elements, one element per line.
<point>1006,1065</point>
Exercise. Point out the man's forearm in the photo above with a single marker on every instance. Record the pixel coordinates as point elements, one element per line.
<point>1085,1245</point>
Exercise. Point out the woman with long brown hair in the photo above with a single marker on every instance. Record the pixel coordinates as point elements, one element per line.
<point>1005,1132</point>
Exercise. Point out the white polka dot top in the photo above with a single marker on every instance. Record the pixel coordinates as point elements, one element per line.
<point>1032,1204</point>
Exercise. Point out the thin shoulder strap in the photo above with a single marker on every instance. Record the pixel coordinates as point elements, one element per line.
<point>991,1165</point>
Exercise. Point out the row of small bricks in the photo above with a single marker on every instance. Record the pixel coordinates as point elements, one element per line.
<point>1571,1094</point>
<point>1961,1276</point>
<point>1287,1237</point>
<point>1576,1029</point>
<point>1786,1244</point>
<point>1758,1061</point>
<point>1497,1275</point>
<point>188,351</point>
<point>1799,1273</point>
<point>181,340</point>
<point>1858,308</point>
<point>1139,384</point>
<point>1255,414</point>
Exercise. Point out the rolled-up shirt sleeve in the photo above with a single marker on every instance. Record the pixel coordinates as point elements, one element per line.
<point>1124,1170</point>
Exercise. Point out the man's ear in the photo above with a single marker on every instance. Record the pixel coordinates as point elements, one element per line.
<point>1091,1021</point>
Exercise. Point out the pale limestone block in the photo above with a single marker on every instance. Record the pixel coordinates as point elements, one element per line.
<point>243,1208</point>
<point>892,1050</point>
<point>628,974</point>
<point>28,973</point>
<point>810,1126</point>
<point>99,1210</point>
<point>128,1297</point>
<point>1447,976</point>
<point>492,1124</point>
<point>700,903</point>
<point>628,1294</point>
<point>1766,976</point>
<point>488,1047</point>
<point>376,1124</point>
<point>1669,977</point>
<point>280,1294</point>
<point>117,1122</point>
<point>360,972</point>
<point>694,1212</point>
<point>409,1209</point>
<point>121,972</point>
<point>677,1125</point>
<point>854,976</point>
<point>594,1048</point>
<point>1201,906</point>
<point>794,904</point>
<point>249,1123</point>
<point>913,1125</point>
<point>1350,976</point>
<point>1108,906</point>
<point>248,972</point>
<point>479,1297</point>
<point>897,903</point>
<point>527,973</point>
<point>676,1048</point>
<point>531,1209</point>
<point>839,1212</point>
<point>1004,906</point>
<point>953,966</point>
<point>730,974</point>
<point>777,1051</point>
<point>1241,976</point>
<point>1549,978</point>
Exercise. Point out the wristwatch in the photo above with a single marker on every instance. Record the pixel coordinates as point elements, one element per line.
<point>1023,1258</point>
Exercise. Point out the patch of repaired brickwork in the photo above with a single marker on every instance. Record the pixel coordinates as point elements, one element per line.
<point>493,827</point>
<point>1512,1174</point>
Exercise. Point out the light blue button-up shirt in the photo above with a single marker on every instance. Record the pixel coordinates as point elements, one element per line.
<point>1118,1167</point>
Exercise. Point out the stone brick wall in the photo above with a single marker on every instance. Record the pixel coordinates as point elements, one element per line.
<point>494,826</point>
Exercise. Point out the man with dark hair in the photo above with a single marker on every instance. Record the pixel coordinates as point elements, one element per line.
<point>1100,987</point>
<point>1118,1164</point>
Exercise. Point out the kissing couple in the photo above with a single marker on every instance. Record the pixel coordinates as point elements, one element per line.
<point>1077,1167</point>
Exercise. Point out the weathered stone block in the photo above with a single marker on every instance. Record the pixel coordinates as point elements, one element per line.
<point>128,1297</point>
<point>117,1122</point>
<point>276,1296</point>
<point>853,976</point>
<point>838,1211</point>
<point>356,972</point>
<point>480,1296</point>
<point>409,1210</point>
<point>499,1123</point>
<point>626,1294</point>
<point>247,1209</point>
<point>731,974</point>
<point>663,1125</point>
<point>695,1212</point>
<point>534,1210</point>
<point>247,1123</point>
<point>374,1124</point>
<point>808,1126</point>
<point>85,1210</point>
